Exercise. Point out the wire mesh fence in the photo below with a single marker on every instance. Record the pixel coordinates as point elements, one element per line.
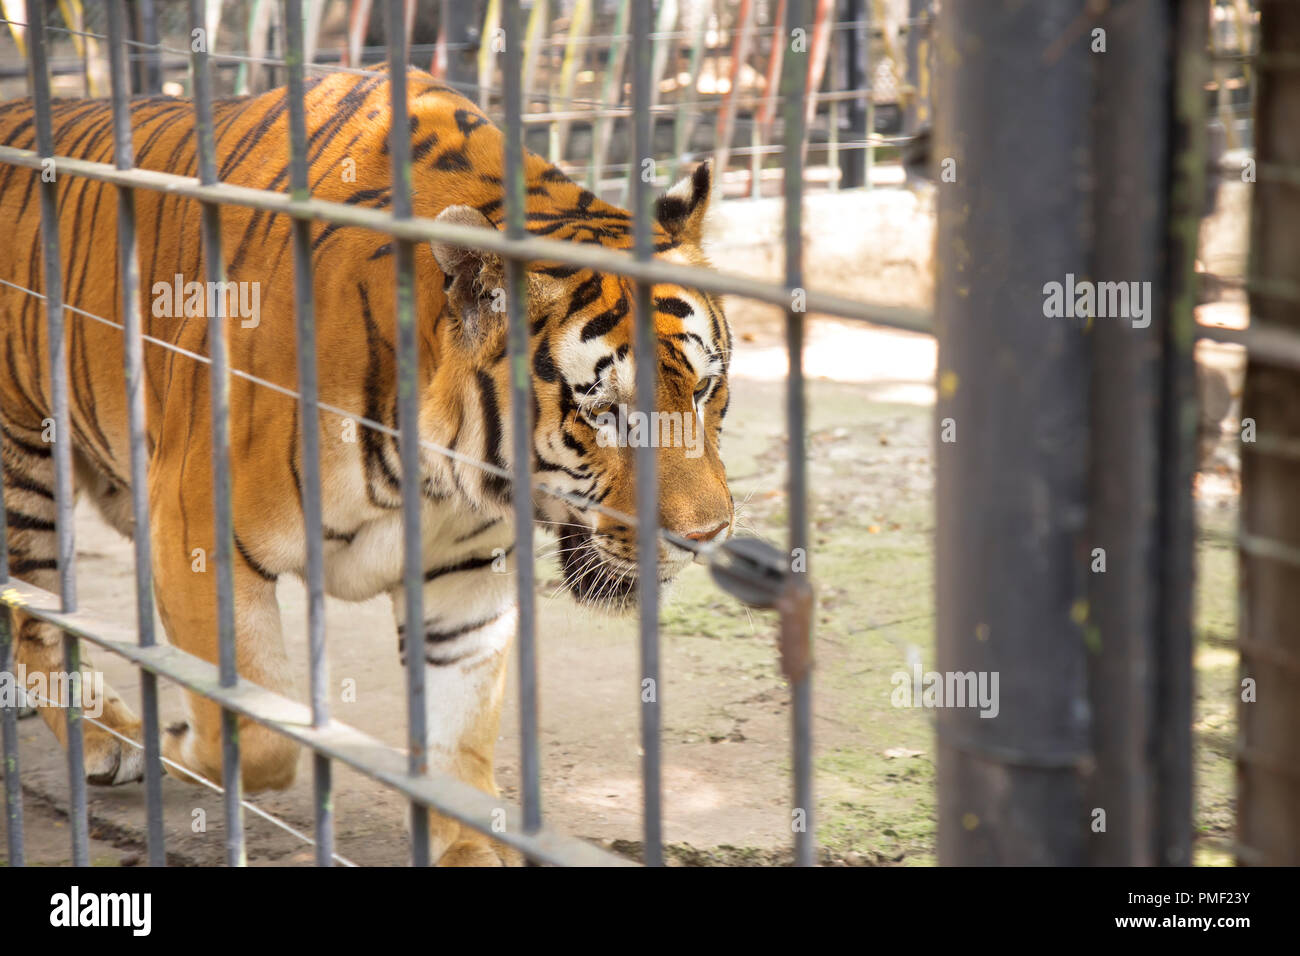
<point>758,572</point>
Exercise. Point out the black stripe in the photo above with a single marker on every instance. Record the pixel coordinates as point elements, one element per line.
<point>34,564</point>
<point>260,570</point>
<point>432,636</point>
<point>17,521</point>
<point>469,564</point>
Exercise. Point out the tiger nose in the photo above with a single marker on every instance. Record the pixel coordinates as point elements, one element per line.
<point>707,535</point>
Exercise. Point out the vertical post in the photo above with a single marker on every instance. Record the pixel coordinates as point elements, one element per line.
<point>765,114</point>
<point>853,62</point>
<point>795,603</point>
<point>869,153</point>
<point>647,479</point>
<point>913,117</point>
<point>458,16</point>
<point>309,416</point>
<point>744,28</point>
<point>63,488</point>
<point>9,733</point>
<point>220,389</point>
<point>486,55</point>
<point>1136,617</point>
<point>611,95</point>
<point>408,417</point>
<point>1187,207</point>
<point>521,422</point>
<point>129,271</point>
<point>1011,437</point>
<point>575,52</point>
<point>1268,818</point>
<point>684,118</point>
<point>149,62</point>
<point>9,719</point>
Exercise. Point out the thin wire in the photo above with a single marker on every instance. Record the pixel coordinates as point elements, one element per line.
<point>269,817</point>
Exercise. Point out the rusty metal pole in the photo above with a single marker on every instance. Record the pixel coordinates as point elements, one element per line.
<point>1268,782</point>
<point>1011,437</point>
<point>1149,154</point>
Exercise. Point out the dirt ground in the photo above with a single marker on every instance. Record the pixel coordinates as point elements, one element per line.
<point>725,705</point>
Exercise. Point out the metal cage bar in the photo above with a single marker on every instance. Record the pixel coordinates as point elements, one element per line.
<point>646,351</point>
<point>222,519</point>
<point>129,269</point>
<point>309,412</point>
<point>521,422</point>
<point>796,607</point>
<point>408,416</point>
<point>62,451</point>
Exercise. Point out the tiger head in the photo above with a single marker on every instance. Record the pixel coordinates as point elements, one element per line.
<point>587,429</point>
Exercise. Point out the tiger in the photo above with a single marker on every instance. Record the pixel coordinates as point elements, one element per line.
<point>581,360</point>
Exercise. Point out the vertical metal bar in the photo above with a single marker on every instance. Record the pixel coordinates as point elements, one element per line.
<point>611,95</point>
<point>521,423</point>
<point>58,349</point>
<point>833,115</point>
<point>129,270</point>
<point>821,42</point>
<point>53,275</point>
<point>1268,816</point>
<point>309,416</point>
<point>408,416</point>
<point>150,59</point>
<point>458,15</point>
<point>1187,206</point>
<point>869,76</point>
<point>574,53</point>
<point>797,619</point>
<point>223,524</point>
<point>9,714</point>
<point>1141,523</point>
<point>1011,449</point>
<point>647,478</point>
<point>910,94</point>
<point>534,44</point>
<point>853,58</point>
<point>486,53</point>
<point>727,114</point>
<point>684,118</point>
<point>9,731</point>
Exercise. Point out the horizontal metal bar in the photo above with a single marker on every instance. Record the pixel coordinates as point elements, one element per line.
<point>420,229</point>
<point>370,756</point>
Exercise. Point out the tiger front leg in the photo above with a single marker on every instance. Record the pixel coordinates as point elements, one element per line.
<point>185,587</point>
<point>469,621</point>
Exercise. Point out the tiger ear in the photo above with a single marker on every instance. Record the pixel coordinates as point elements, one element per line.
<point>681,210</point>
<point>473,279</point>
